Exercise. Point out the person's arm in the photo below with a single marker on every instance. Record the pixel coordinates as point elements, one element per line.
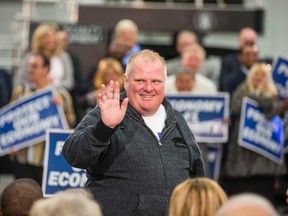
<point>89,141</point>
<point>91,138</point>
<point>271,106</point>
<point>236,100</point>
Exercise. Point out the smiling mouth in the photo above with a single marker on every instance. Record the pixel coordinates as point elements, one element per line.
<point>147,96</point>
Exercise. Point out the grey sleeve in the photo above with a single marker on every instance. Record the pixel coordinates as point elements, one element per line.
<point>90,140</point>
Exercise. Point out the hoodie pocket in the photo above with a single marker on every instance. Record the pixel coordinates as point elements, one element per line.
<point>152,206</point>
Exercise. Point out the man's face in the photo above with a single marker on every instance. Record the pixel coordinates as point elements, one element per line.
<point>249,56</point>
<point>129,36</point>
<point>36,69</point>
<point>184,82</point>
<point>145,86</point>
<point>183,42</point>
<point>193,60</point>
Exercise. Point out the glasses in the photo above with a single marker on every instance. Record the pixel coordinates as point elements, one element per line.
<point>35,66</point>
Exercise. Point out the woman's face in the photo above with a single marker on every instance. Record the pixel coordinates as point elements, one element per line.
<point>111,74</point>
<point>184,82</point>
<point>258,78</point>
<point>49,41</point>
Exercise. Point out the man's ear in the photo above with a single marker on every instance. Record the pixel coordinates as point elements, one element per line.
<point>125,81</point>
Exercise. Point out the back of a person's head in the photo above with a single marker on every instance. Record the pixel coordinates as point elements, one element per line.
<point>198,196</point>
<point>18,197</point>
<point>67,203</point>
<point>247,204</point>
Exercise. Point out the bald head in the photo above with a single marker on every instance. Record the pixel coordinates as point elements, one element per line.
<point>184,39</point>
<point>247,36</point>
<point>247,205</point>
<point>19,195</point>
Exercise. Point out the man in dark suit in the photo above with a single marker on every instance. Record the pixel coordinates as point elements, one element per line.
<point>247,57</point>
<point>230,62</point>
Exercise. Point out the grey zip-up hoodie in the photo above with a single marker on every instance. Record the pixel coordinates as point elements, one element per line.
<point>128,171</point>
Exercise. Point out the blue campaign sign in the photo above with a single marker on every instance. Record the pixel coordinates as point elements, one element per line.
<point>24,122</point>
<point>260,134</point>
<point>214,160</point>
<point>285,128</point>
<point>58,175</point>
<point>205,115</point>
<point>280,76</point>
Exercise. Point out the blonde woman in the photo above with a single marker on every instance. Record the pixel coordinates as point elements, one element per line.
<point>245,170</point>
<point>108,69</point>
<point>197,197</point>
<point>46,41</point>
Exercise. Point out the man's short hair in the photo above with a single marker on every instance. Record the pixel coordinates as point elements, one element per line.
<point>18,197</point>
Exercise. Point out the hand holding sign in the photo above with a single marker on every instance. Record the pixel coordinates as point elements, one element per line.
<point>108,99</point>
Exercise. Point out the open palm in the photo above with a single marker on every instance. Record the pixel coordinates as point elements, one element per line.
<point>112,113</point>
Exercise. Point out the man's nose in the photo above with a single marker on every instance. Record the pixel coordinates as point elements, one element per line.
<point>148,86</point>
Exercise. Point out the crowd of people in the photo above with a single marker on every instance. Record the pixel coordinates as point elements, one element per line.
<point>139,153</point>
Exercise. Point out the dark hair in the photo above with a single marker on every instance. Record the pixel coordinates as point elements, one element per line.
<point>45,59</point>
<point>18,197</point>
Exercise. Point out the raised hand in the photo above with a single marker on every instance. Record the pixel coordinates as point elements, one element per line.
<point>112,113</point>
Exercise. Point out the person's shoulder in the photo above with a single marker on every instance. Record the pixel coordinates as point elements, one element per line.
<point>173,61</point>
<point>61,90</point>
<point>170,84</point>
<point>201,79</point>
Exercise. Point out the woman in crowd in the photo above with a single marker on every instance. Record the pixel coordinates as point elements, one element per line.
<point>46,42</point>
<point>108,69</point>
<point>246,170</point>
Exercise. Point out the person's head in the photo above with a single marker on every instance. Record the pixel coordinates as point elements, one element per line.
<point>287,196</point>
<point>108,69</point>
<point>249,55</point>
<point>128,30</point>
<point>260,79</point>
<point>45,40</point>
<point>18,197</point>
<point>247,205</point>
<point>118,48</point>
<point>64,39</point>
<point>38,68</point>
<point>247,36</point>
<point>144,81</point>
<point>184,39</point>
<point>67,203</point>
<point>185,80</point>
<point>197,196</point>
<point>193,57</point>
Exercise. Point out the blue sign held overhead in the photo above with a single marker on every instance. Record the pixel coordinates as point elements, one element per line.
<point>24,122</point>
<point>58,175</point>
